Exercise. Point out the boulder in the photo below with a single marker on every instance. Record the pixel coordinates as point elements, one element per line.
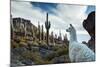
<point>89,25</point>
<point>34,48</point>
<point>61,59</point>
<point>44,52</point>
<point>18,51</point>
<point>27,62</point>
<point>17,64</point>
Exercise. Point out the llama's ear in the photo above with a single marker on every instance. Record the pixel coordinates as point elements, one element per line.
<point>71,25</point>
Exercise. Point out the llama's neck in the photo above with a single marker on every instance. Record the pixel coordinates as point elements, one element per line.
<point>73,36</point>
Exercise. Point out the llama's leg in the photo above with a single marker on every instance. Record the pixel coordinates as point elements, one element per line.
<point>72,56</point>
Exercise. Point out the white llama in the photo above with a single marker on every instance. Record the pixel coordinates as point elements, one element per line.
<point>78,52</point>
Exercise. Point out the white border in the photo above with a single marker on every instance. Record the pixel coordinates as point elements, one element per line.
<point>4,33</point>
<point>84,2</point>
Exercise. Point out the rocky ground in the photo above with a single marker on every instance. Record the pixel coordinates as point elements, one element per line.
<point>29,53</point>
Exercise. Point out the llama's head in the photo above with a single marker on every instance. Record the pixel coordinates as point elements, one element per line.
<point>70,29</point>
<point>72,32</point>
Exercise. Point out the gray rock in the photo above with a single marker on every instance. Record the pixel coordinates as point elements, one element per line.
<point>18,50</point>
<point>45,52</point>
<point>61,59</point>
<point>28,62</point>
<point>33,48</point>
<point>17,63</point>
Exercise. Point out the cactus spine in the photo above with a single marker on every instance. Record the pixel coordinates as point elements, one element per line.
<point>47,26</point>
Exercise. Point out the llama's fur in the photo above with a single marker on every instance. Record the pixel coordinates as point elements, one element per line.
<point>78,52</point>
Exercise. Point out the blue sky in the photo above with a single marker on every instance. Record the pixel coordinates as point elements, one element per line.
<point>45,6</point>
<point>49,6</point>
<point>90,9</point>
<point>60,16</point>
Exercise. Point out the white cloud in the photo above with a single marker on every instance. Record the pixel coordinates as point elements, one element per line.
<point>71,14</point>
<point>25,10</point>
<point>64,15</point>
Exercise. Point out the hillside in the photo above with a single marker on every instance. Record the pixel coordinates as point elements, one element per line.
<point>29,45</point>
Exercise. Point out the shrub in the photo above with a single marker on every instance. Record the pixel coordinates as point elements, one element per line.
<point>51,56</point>
<point>62,51</point>
<point>35,43</point>
<point>57,51</point>
<point>35,57</point>
<point>22,44</point>
<point>14,44</point>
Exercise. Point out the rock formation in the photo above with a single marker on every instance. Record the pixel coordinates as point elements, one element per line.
<point>89,25</point>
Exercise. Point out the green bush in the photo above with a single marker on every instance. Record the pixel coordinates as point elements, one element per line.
<point>22,44</point>
<point>35,43</point>
<point>58,51</point>
<point>35,57</point>
<point>62,51</point>
<point>51,56</point>
<point>14,44</point>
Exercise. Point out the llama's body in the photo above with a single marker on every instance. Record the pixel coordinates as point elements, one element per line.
<point>78,52</point>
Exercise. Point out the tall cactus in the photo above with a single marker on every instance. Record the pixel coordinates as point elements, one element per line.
<point>25,29</point>
<point>52,37</point>
<point>42,35</point>
<point>47,26</point>
<point>65,40</point>
<point>60,37</point>
<point>12,27</point>
<point>39,33</point>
